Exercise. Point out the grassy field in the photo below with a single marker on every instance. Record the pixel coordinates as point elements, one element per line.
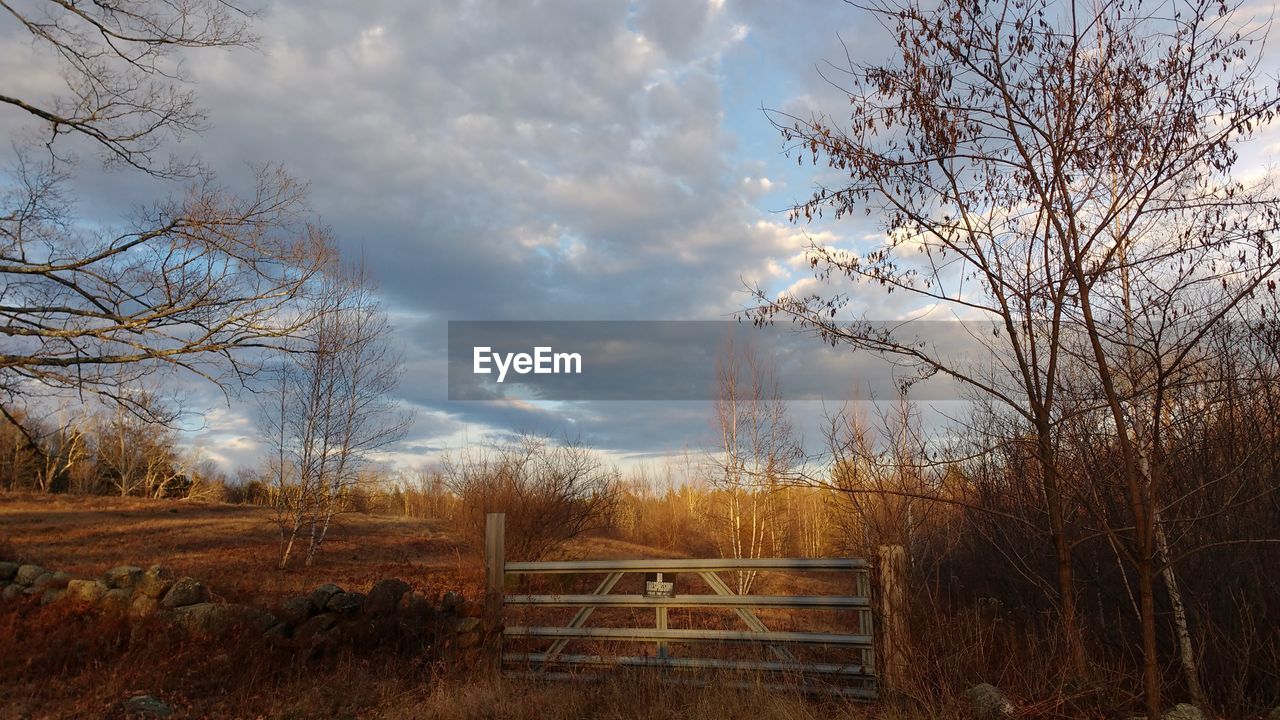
<point>55,665</point>
<point>233,548</point>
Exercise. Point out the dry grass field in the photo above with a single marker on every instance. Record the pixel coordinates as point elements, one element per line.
<point>234,548</point>
<point>55,665</point>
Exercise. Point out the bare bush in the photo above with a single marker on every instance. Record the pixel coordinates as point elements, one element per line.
<point>550,492</point>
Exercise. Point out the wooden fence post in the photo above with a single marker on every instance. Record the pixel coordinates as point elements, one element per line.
<point>895,655</point>
<point>494,586</point>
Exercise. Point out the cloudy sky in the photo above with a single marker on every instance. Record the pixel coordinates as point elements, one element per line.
<point>554,160</point>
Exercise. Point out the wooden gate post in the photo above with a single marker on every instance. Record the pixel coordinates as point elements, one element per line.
<point>495,572</point>
<point>895,655</point>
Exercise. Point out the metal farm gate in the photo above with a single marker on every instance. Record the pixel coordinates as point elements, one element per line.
<point>845,662</point>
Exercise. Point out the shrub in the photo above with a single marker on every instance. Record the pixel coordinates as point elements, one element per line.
<point>550,492</point>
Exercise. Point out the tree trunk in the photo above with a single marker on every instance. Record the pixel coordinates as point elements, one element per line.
<point>1062,548</point>
<point>288,547</point>
<point>1067,596</point>
<point>317,540</point>
<point>1150,666</point>
<point>1186,650</point>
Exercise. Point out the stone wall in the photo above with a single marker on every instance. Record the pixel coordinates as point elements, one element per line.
<point>390,616</point>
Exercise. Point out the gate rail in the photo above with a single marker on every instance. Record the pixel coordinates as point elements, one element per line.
<point>855,678</point>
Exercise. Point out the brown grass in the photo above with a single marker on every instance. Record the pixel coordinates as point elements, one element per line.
<point>233,548</point>
<point>633,697</point>
<point>57,663</point>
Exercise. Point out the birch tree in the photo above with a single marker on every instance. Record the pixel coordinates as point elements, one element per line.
<point>332,411</point>
<point>757,448</point>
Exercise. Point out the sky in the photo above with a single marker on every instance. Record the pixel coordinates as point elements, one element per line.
<point>525,160</point>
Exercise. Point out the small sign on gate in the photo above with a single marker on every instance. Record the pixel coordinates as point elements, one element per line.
<point>656,587</point>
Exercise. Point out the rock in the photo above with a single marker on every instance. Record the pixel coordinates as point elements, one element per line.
<point>415,607</point>
<point>49,581</point>
<point>385,597</point>
<point>417,615</point>
<point>276,633</point>
<point>212,619</point>
<point>328,641</point>
<point>987,702</point>
<point>320,596</point>
<point>1274,714</point>
<point>7,570</point>
<point>27,574</point>
<point>59,581</point>
<point>359,633</point>
<point>142,606</point>
<point>37,585</point>
<point>86,591</point>
<point>345,602</point>
<point>452,602</point>
<point>115,602</point>
<point>187,591</point>
<point>147,706</point>
<point>1184,711</point>
<point>317,625</point>
<point>258,619</point>
<point>391,631</point>
<point>11,591</point>
<point>52,596</point>
<point>468,633</point>
<point>124,576</point>
<point>155,582</point>
<point>296,610</point>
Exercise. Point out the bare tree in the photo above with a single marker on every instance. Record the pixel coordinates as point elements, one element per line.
<point>424,493</point>
<point>890,488</point>
<point>200,281</point>
<point>203,283</point>
<point>134,454</point>
<point>333,410</point>
<point>126,88</point>
<point>757,449</point>
<point>1035,162</point>
<point>42,454</point>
